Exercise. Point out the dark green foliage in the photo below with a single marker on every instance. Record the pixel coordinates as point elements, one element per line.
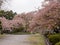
<point>7,14</point>
<point>0,26</point>
<point>57,28</point>
<point>57,43</point>
<point>54,38</point>
<point>46,33</point>
<point>19,29</point>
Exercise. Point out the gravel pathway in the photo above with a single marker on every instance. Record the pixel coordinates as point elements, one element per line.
<point>15,40</point>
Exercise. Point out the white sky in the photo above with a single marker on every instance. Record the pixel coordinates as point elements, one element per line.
<point>20,6</point>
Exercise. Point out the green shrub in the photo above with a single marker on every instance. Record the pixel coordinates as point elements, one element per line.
<point>54,38</point>
<point>20,29</point>
<point>57,43</point>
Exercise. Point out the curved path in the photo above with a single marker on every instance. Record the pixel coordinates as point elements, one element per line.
<point>22,40</point>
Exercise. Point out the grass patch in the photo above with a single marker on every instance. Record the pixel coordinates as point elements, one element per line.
<point>21,33</point>
<point>37,39</point>
<point>1,36</point>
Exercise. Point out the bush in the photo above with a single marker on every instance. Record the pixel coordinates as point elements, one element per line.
<point>20,29</point>
<point>54,38</point>
<point>46,33</point>
<point>57,43</point>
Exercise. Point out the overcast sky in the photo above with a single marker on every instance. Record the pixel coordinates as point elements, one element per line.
<point>20,6</point>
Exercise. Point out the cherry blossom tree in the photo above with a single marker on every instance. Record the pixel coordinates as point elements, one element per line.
<point>48,17</point>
